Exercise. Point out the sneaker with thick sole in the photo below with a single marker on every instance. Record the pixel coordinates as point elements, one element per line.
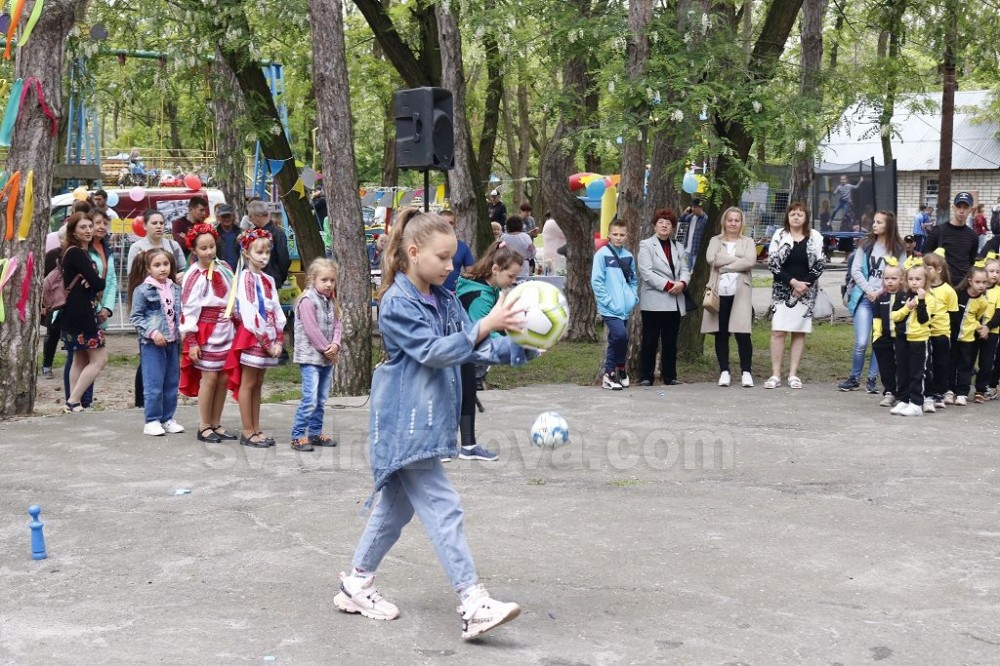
<point>172,427</point>
<point>991,394</point>
<point>724,378</point>
<point>929,406</point>
<point>476,453</point>
<point>888,400</point>
<point>871,387</point>
<point>610,383</point>
<point>153,428</point>
<point>949,398</point>
<point>899,408</point>
<point>47,373</point>
<point>961,401</point>
<point>747,380</point>
<point>849,384</point>
<point>484,614</point>
<point>622,376</point>
<point>912,410</point>
<point>979,398</point>
<point>358,595</point>
<point>939,403</point>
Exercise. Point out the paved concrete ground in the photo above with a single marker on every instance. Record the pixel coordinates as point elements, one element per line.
<point>692,525</point>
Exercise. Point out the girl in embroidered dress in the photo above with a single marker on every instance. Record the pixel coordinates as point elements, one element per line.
<point>259,338</point>
<point>207,331</point>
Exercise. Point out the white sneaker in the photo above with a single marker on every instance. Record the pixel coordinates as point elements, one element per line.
<point>484,614</point>
<point>724,378</point>
<point>153,428</point>
<point>358,595</point>
<point>949,398</point>
<point>912,410</point>
<point>622,378</point>
<point>888,400</point>
<point>610,383</point>
<point>172,427</point>
<point>747,380</point>
<point>899,408</point>
<point>961,401</point>
<point>929,406</point>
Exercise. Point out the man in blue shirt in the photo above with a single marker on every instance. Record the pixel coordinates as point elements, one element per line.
<point>228,247</point>
<point>920,223</point>
<point>463,256</point>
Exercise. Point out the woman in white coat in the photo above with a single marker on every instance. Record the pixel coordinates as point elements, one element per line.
<point>663,275</point>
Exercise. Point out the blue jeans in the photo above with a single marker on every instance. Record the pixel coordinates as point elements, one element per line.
<point>315,389</point>
<point>422,488</point>
<point>617,343</point>
<point>161,374</point>
<point>863,315</point>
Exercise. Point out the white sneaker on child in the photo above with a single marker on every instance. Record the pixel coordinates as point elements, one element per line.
<point>888,400</point>
<point>929,406</point>
<point>912,410</point>
<point>961,401</point>
<point>949,398</point>
<point>724,378</point>
<point>899,408</point>
<point>482,613</point>
<point>358,595</point>
<point>172,427</point>
<point>153,428</point>
<point>747,380</point>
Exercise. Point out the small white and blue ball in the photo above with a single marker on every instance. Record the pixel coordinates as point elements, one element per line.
<point>550,430</point>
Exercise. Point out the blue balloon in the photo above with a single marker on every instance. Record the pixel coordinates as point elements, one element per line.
<point>595,188</point>
<point>690,183</point>
<point>112,199</point>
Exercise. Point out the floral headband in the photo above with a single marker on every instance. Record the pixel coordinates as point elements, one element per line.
<point>197,230</point>
<point>248,237</point>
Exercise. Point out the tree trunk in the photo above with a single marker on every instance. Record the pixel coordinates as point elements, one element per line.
<point>811,91</point>
<point>390,172</point>
<point>395,49</point>
<point>274,143</point>
<point>575,219</point>
<point>170,111</point>
<point>465,188</point>
<point>33,148</point>
<point>523,142</point>
<point>494,93</point>
<point>947,111</point>
<point>336,139</point>
<point>230,137</point>
<point>510,143</point>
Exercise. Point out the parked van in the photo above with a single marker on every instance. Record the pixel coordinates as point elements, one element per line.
<point>171,201</point>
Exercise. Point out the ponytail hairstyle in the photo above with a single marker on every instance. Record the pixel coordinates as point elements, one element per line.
<point>412,226</point>
<point>498,254</point>
<point>937,262</point>
<point>974,271</point>
<point>139,269</point>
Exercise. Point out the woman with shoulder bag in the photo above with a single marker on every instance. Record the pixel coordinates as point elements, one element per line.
<point>731,256</point>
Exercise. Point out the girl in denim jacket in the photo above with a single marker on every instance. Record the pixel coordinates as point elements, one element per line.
<point>415,398</point>
<point>155,303</point>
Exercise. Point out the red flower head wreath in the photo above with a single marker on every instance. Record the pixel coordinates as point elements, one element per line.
<point>248,237</point>
<point>197,230</point>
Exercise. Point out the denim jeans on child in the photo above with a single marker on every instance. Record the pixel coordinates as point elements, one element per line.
<point>161,373</point>
<point>420,487</point>
<point>617,343</point>
<point>863,315</point>
<point>315,390</point>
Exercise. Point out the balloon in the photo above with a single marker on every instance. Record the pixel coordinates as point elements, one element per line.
<point>139,227</point>
<point>595,188</point>
<point>578,181</point>
<point>113,199</point>
<point>137,193</point>
<point>192,182</point>
<point>690,183</point>
<point>80,194</point>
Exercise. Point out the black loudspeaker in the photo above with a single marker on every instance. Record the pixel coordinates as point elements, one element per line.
<point>425,132</point>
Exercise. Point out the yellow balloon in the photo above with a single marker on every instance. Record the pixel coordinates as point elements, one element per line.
<point>80,194</point>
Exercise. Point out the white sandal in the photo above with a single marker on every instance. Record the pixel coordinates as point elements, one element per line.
<point>772,382</point>
<point>794,382</point>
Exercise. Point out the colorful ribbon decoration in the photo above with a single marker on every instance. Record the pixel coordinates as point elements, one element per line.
<point>232,292</point>
<point>29,271</point>
<point>11,190</point>
<point>9,268</point>
<point>40,94</point>
<point>10,114</point>
<point>36,13</point>
<point>27,207</point>
<point>15,18</point>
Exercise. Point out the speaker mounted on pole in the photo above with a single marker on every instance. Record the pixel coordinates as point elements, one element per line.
<point>425,129</point>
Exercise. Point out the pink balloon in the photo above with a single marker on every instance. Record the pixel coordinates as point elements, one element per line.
<point>137,193</point>
<point>192,182</point>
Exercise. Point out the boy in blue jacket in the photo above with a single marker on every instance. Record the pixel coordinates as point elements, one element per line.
<point>615,286</point>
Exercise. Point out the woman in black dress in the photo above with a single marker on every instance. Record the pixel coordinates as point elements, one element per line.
<point>81,332</point>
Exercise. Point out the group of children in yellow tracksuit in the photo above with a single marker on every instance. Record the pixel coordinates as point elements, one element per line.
<point>931,339</point>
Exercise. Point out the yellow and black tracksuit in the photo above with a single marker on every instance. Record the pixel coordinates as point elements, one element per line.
<point>991,370</point>
<point>940,366</point>
<point>965,325</point>
<point>883,340</point>
<point>912,331</point>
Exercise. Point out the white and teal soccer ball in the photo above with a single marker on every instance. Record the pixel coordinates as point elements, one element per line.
<point>550,430</point>
<point>546,312</point>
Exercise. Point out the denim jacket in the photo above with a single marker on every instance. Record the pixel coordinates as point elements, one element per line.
<point>417,393</point>
<point>148,315</point>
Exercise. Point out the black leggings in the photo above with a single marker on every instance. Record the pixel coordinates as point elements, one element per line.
<point>467,424</point>
<point>53,333</point>
<point>743,344</point>
<point>911,363</point>
<point>659,326</point>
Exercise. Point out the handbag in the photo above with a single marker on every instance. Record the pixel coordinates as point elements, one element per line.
<point>823,308</point>
<point>711,300</point>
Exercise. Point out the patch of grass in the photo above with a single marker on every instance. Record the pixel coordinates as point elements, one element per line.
<point>281,395</point>
<point>624,483</point>
<point>124,360</point>
<point>535,481</point>
<point>762,281</point>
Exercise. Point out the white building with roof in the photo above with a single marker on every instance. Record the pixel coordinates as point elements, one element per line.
<point>916,139</point>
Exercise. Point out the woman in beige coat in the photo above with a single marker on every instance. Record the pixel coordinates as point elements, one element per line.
<point>732,256</point>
